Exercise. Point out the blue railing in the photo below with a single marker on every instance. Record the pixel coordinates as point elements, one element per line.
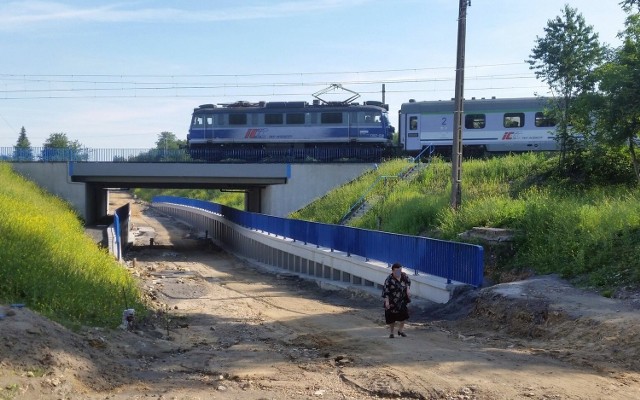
<point>227,155</point>
<point>460,262</point>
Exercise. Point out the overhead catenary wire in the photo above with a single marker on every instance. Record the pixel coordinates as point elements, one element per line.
<point>48,86</point>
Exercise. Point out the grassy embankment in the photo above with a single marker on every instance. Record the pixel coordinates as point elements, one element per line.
<point>586,231</point>
<point>49,264</point>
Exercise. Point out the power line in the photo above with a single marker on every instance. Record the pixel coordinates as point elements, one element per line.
<point>228,95</point>
<point>254,74</point>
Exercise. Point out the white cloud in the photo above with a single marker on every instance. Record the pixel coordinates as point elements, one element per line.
<point>18,14</point>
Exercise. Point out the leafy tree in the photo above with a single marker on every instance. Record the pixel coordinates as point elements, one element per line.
<point>168,141</point>
<point>618,115</point>
<point>168,149</point>
<point>58,147</point>
<point>22,150</point>
<point>565,58</point>
<point>628,5</point>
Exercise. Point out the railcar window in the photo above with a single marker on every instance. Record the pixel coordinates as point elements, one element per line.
<point>543,120</point>
<point>513,120</point>
<point>295,119</point>
<point>413,123</point>
<point>273,119</point>
<point>475,121</point>
<point>237,119</point>
<point>209,120</point>
<point>331,118</point>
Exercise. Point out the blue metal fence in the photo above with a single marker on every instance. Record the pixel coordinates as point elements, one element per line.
<point>253,155</point>
<point>460,262</point>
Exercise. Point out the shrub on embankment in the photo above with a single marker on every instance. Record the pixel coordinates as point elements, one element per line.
<point>49,264</point>
<point>233,199</point>
<point>578,229</point>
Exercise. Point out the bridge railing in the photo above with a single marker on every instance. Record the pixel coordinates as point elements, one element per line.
<point>226,155</point>
<point>453,261</point>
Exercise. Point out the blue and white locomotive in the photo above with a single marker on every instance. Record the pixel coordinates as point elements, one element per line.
<point>288,127</point>
<point>488,126</point>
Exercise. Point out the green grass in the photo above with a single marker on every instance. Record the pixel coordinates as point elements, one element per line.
<point>589,233</point>
<point>48,263</point>
<point>233,199</point>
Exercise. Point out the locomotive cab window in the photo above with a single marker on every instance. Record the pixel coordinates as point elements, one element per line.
<point>237,119</point>
<point>369,117</point>
<point>295,118</point>
<point>513,120</point>
<point>208,121</point>
<point>475,121</point>
<point>543,120</point>
<point>198,121</point>
<point>273,119</point>
<point>331,118</point>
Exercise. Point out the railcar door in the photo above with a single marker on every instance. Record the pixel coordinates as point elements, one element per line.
<point>411,133</point>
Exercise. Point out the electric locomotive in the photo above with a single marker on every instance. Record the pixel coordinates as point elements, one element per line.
<point>289,130</point>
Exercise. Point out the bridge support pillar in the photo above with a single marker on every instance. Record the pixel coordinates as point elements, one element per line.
<point>96,203</point>
<point>253,200</point>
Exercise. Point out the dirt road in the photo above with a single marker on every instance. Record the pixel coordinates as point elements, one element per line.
<point>228,329</point>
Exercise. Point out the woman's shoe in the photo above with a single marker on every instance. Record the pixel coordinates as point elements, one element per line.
<point>402,334</point>
<point>391,336</point>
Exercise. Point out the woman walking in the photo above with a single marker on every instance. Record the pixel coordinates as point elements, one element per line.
<point>396,297</point>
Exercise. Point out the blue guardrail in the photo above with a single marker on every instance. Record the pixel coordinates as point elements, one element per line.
<point>454,261</point>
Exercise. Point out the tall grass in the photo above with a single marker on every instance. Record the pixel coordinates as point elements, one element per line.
<point>48,263</point>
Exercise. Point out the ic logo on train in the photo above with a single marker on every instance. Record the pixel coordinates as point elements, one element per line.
<point>507,136</point>
<point>255,133</point>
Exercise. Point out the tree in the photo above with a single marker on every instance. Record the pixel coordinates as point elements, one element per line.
<point>618,117</point>
<point>628,5</point>
<point>168,141</point>
<point>22,150</point>
<point>168,148</point>
<point>58,147</point>
<point>565,58</point>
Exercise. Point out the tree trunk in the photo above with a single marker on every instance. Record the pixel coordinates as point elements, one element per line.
<point>634,159</point>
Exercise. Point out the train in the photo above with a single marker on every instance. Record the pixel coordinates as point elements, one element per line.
<point>295,129</point>
<point>327,131</point>
<point>489,126</point>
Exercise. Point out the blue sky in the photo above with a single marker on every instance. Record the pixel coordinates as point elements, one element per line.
<point>114,74</point>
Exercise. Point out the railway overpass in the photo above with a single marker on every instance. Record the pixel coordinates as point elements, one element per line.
<point>273,189</point>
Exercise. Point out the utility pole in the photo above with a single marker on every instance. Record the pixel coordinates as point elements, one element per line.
<point>456,150</point>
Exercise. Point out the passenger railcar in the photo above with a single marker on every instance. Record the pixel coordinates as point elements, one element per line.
<point>488,126</point>
<point>288,125</point>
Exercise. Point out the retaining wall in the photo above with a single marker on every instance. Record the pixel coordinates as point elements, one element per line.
<point>308,261</point>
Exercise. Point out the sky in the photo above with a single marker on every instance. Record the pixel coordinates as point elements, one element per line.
<point>115,74</point>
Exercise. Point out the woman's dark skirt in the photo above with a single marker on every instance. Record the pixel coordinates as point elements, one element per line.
<point>391,317</point>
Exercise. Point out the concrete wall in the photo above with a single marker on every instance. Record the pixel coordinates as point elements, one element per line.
<point>328,268</point>
<point>54,178</point>
<point>307,183</point>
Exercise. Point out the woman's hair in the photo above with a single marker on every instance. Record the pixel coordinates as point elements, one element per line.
<point>396,265</point>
